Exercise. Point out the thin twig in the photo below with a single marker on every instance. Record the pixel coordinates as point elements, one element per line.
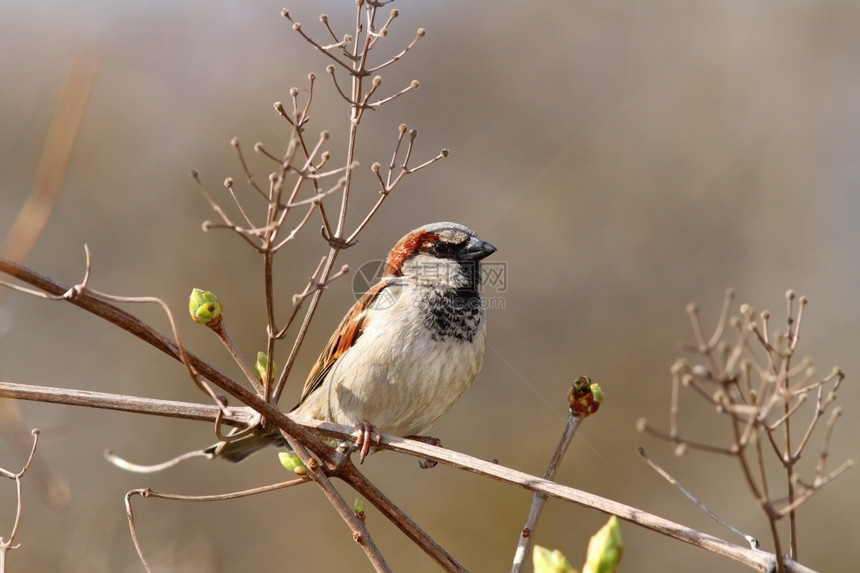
<point>7,544</point>
<point>249,177</point>
<point>147,493</point>
<point>418,35</point>
<point>220,330</point>
<point>360,533</point>
<point>754,544</point>
<point>350,474</point>
<point>539,500</point>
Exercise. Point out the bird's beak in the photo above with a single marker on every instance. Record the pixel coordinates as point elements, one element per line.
<point>477,249</point>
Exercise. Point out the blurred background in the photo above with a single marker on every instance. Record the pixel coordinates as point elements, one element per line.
<point>626,158</point>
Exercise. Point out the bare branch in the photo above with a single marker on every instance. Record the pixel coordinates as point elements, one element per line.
<point>347,40</point>
<point>761,391</point>
<point>413,85</point>
<point>228,183</point>
<point>526,539</point>
<point>220,329</point>
<point>249,177</point>
<point>330,71</point>
<point>362,485</point>
<point>418,35</point>
<point>360,534</point>
<point>125,403</point>
<point>754,544</point>
<point>7,544</point>
<point>324,20</point>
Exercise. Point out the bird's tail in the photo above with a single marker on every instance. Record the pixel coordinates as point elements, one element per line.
<point>237,450</point>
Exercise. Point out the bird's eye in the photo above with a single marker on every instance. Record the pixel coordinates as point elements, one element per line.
<point>443,249</point>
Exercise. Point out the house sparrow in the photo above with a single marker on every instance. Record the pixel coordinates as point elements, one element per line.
<point>406,350</point>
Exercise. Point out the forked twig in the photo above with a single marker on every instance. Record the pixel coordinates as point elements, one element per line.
<point>147,493</point>
<point>7,544</point>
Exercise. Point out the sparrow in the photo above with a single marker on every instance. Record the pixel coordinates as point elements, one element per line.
<point>406,351</point>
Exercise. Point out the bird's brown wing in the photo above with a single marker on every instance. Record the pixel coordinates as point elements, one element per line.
<point>344,337</point>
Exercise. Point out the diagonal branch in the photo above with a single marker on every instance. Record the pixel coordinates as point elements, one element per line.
<point>135,326</point>
<point>365,487</point>
<point>526,540</point>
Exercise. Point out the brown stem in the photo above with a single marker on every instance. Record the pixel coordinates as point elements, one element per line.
<point>124,403</point>
<point>758,560</point>
<point>360,533</point>
<point>527,534</point>
<point>146,333</point>
<point>362,485</point>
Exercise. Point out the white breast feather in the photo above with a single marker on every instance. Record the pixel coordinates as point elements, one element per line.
<point>396,376</point>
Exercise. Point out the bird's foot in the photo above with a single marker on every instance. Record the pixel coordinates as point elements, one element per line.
<point>367,433</point>
<point>425,463</point>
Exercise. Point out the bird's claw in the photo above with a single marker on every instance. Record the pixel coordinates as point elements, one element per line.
<point>425,463</point>
<point>367,433</point>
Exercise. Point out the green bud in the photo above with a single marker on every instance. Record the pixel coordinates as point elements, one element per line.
<point>262,364</point>
<point>358,509</point>
<point>203,306</point>
<point>293,462</point>
<point>597,391</point>
<point>546,561</point>
<point>605,549</point>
